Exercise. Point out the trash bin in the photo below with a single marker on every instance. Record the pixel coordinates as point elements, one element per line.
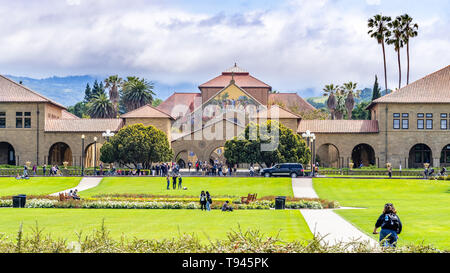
<point>19,201</point>
<point>280,202</point>
<point>23,200</point>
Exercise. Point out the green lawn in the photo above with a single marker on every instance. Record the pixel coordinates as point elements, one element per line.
<point>217,186</point>
<point>36,185</point>
<point>157,224</point>
<point>422,205</point>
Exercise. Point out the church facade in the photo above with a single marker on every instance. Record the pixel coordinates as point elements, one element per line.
<point>409,127</point>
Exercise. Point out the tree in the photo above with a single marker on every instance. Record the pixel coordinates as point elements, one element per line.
<point>136,93</point>
<point>320,114</point>
<point>329,91</point>
<point>376,90</point>
<point>78,109</point>
<point>97,89</point>
<point>247,147</point>
<point>341,109</point>
<point>397,40</point>
<point>378,30</point>
<point>347,90</point>
<point>156,102</point>
<point>87,93</point>
<point>114,83</point>
<point>100,107</point>
<point>409,31</point>
<point>137,144</point>
<point>360,112</point>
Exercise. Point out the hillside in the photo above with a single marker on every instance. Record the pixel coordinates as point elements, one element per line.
<point>366,95</point>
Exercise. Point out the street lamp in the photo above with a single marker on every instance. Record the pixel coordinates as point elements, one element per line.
<point>82,154</point>
<point>310,138</point>
<point>108,134</point>
<point>95,155</point>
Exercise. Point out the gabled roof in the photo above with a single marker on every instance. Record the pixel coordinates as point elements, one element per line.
<point>241,77</point>
<point>339,126</point>
<point>83,125</point>
<point>146,111</point>
<point>177,99</point>
<point>433,88</point>
<point>67,115</point>
<point>10,91</point>
<point>291,100</point>
<point>272,113</point>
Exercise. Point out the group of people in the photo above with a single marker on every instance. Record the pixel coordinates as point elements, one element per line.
<point>205,201</point>
<point>175,177</point>
<point>215,168</point>
<point>74,194</point>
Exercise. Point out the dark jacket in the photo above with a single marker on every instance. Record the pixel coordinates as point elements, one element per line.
<point>389,221</point>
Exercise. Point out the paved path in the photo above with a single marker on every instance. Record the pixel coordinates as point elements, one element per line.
<point>326,222</point>
<point>85,183</point>
<point>303,188</point>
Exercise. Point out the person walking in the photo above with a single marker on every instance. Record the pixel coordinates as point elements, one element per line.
<point>390,225</point>
<point>208,201</point>
<point>179,181</point>
<point>168,182</point>
<point>174,181</point>
<point>44,169</point>
<point>390,171</point>
<point>203,200</point>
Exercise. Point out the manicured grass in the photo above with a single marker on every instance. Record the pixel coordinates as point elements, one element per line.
<point>156,224</point>
<point>217,186</point>
<point>422,205</point>
<point>36,185</point>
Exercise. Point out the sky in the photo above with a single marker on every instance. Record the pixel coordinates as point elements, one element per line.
<point>293,45</point>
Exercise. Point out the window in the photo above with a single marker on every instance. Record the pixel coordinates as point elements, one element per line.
<point>429,124</point>
<point>420,124</point>
<point>405,115</point>
<point>2,119</point>
<point>396,124</point>
<point>19,123</point>
<point>444,115</point>
<point>443,124</point>
<point>405,123</point>
<point>420,115</point>
<point>23,120</point>
<point>396,115</point>
<point>429,115</point>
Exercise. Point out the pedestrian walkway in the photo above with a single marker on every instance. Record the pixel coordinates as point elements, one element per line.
<point>303,188</point>
<point>325,222</point>
<point>85,183</point>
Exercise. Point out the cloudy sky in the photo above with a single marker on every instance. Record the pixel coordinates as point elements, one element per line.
<point>293,45</point>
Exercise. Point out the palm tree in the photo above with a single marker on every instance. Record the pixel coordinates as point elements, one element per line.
<point>137,93</point>
<point>100,107</point>
<point>114,83</point>
<point>409,31</point>
<point>396,40</point>
<point>348,92</point>
<point>378,30</point>
<point>329,91</point>
<point>341,109</point>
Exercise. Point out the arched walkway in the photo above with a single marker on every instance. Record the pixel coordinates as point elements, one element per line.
<point>92,155</point>
<point>418,155</point>
<point>445,156</point>
<point>7,154</point>
<point>363,154</point>
<point>217,155</point>
<point>328,154</point>
<point>184,157</point>
<point>59,153</point>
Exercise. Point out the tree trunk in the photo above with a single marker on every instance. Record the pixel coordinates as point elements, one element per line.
<point>385,73</point>
<point>399,70</point>
<point>407,53</point>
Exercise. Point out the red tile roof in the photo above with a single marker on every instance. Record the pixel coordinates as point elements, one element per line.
<point>339,126</point>
<point>83,125</point>
<point>244,80</point>
<point>291,101</point>
<point>10,91</point>
<point>67,115</point>
<point>146,111</point>
<point>183,99</point>
<point>433,88</point>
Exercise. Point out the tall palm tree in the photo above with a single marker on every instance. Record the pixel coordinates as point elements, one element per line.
<point>114,83</point>
<point>100,107</point>
<point>348,91</point>
<point>329,91</point>
<point>378,29</point>
<point>341,109</point>
<point>409,31</point>
<point>137,92</point>
<point>397,40</point>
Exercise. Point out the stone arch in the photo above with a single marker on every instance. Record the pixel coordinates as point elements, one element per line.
<point>445,156</point>
<point>218,154</point>
<point>363,154</point>
<point>59,153</point>
<point>7,154</point>
<point>328,154</point>
<point>183,157</point>
<point>92,155</point>
<point>420,154</point>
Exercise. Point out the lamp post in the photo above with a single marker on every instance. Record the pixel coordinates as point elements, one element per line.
<point>310,138</point>
<point>82,154</point>
<point>108,134</point>
<point>95,155</point>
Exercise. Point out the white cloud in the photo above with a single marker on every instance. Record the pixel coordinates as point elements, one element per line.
<point>73,2</point>
<point>373,2</point>
<point>303,44</point>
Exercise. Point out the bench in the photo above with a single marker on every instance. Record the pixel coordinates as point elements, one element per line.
<point>248,199</point>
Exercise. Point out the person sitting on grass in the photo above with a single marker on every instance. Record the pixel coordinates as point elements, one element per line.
<point>390,225</point>
<point>443,172</point>
<point>226,206</point>
<point>75,195</point>
<point>18,177</point>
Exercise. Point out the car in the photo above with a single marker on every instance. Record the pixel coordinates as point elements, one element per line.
<point>291,169</point>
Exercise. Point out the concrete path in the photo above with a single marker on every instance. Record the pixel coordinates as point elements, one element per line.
<point>326,223</point>
<point>85,183</point>
<point>303,188</point>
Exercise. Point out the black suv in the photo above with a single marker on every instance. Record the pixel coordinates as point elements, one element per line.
<point>291,169</point>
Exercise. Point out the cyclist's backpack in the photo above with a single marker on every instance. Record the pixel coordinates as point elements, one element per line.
<point>391,222</point>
